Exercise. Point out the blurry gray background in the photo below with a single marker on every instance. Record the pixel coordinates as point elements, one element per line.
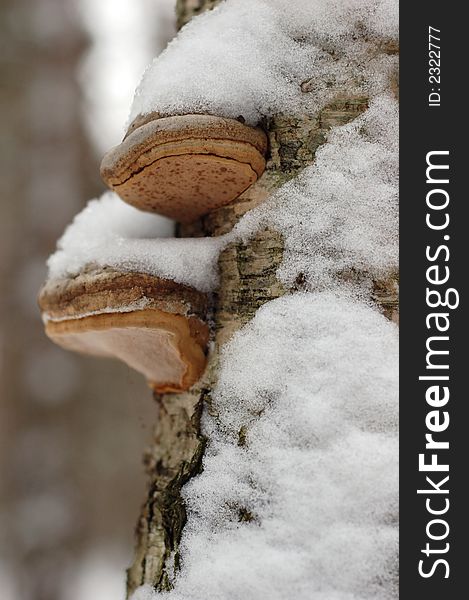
<point>72,429</point>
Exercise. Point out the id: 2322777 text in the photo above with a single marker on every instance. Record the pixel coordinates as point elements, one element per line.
<point>434,66</point>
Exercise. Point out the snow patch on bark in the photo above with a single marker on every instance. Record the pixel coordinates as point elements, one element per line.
<point>342,212</point>
<point>303,503</point>
<point>252,58</point>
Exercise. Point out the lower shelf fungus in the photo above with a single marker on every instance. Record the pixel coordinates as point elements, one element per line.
<point>154,325</point>
<point>185,166</point>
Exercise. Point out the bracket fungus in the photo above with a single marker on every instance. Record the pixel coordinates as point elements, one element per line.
<point>154,325</point>
<point>185,166</point>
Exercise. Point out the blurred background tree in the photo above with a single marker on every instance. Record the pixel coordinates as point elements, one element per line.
<point>72,429</point>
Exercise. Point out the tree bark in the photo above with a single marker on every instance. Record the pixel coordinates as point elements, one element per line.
<point>186,9</point>
<point>247,281</point>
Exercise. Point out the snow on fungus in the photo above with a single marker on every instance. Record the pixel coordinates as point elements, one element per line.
<point>156,326</point>
<point>185,166</point>
<point>110,233</point>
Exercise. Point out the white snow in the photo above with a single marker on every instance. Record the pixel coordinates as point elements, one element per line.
<point>313,380</point>
<point>109,232</point>
<point>249,58</point>
<point>342,212</point>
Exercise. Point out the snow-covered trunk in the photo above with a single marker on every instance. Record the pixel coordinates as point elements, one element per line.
<point>247,281</point>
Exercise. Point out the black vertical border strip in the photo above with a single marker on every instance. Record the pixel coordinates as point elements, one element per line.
<point>424,129</point>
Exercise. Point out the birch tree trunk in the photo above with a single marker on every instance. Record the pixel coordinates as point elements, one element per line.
<point>247,280</point>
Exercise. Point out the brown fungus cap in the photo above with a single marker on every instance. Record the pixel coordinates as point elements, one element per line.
<point>185,166</point>
<point>154,325</point>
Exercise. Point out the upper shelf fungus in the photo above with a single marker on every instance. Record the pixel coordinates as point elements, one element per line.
<point>185,166</point>
<point>154,325</point>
